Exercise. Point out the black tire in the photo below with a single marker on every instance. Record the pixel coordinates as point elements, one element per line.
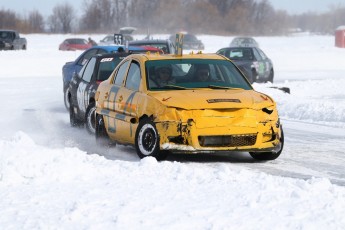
<point>268,156</point>
<point>90,119</point>
<point>102,138</point>
<point>66,98</point>
<point>73,119</point>
<point>147,140</point>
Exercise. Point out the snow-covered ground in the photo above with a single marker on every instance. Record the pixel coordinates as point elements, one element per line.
<point>53,176</point>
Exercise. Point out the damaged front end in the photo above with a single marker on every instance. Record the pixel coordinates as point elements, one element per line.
<point>211,130</point>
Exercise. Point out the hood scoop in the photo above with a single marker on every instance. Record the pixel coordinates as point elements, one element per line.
<point>223,100</point>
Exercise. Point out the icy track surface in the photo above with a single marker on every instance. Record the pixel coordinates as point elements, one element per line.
<point>53,176</point>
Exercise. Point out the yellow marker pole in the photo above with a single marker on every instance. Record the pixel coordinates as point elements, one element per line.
<point>179,44</point>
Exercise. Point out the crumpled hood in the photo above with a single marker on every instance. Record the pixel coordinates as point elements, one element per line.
<point>213,99</point>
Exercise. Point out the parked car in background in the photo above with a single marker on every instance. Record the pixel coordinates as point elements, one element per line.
<point>160,105</point>
<point>83,86</point>
<point>74,44</point>
<point>11,40</point>
<point>167,46</point>
<point>71,68</point>
<point>243,42</point>
<point>252,61</point>
<point>107,40</point>
<point>125,32</point>
<point>190,41</point>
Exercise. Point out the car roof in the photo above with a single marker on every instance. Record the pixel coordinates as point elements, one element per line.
<point>108,55</point>
<point>71,39</point>
<point>155,56</point>
<point>111,48</point>
<point>152,41</point>
<point>4,30</point>
<point>241,47</point>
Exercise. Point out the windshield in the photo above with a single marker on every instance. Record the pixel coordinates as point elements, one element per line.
<point>193,74</point>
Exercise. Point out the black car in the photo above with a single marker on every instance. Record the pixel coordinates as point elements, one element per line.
<point>71,68</point>
<point>252,61</point>
<point>166,46</point>
<point>83,86</point>
<point>190,41</point>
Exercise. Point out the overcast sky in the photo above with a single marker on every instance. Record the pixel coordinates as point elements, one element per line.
<point>45,7</point>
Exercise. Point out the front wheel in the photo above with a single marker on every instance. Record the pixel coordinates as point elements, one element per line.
<point>90,118</point>
<point>147,140</point>
<point>267,156</point>
<point>66,98</point>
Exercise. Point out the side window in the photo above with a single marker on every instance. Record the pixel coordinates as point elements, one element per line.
<point>87,56</point>
<point>89,70</point>
<point>134,77</point>
<point>120,75</point>
<point>257,55</point>
<point>262,54</point>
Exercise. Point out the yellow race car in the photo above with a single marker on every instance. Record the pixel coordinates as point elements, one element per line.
<point>195,103</point>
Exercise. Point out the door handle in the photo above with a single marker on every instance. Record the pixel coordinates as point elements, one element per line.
<point>120,98</point>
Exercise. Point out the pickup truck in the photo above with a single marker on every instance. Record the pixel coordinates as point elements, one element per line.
<point>10,40</point>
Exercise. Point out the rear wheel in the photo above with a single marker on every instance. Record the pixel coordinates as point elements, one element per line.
<point>74,120</point>
<point>90,120</point>
<point>267,156</point>
<point>271,76</point>
<point>102,138</point>
<point>147,140</point>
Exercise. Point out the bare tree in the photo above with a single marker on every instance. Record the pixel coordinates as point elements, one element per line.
<point>7,19</point>
<point>62,18</point>
<point>35,21</point>
<point>105,15</point>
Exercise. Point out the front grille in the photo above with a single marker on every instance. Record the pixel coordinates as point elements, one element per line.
<point>228,140</point>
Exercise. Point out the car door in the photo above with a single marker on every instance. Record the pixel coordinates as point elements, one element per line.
<point>82,91</point>
<point>266,62</point>
<point>127,104</point>
<point>121,102</point>
<point>260,64</point>
<point>110,102</point>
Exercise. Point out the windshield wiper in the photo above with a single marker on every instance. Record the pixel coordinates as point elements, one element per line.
<point>173,87</point>
<point>221,87</point>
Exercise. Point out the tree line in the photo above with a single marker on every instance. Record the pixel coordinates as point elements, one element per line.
<point>231,17</point>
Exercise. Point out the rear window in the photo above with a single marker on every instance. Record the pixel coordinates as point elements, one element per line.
<point>107,66</point>
<point>240,54</point>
